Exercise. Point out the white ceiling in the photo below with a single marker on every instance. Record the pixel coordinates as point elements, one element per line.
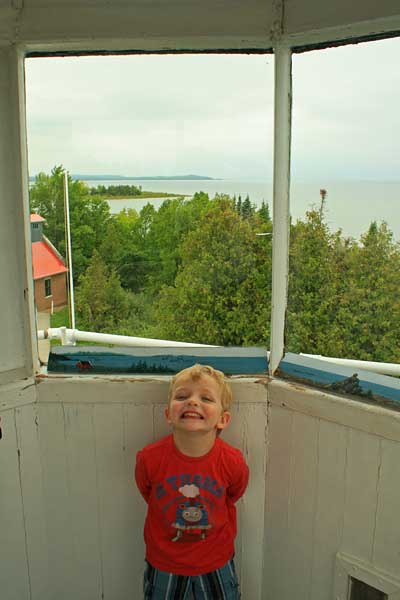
<point>189,24</point>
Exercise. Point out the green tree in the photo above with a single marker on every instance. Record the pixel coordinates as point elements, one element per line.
<point>213,299</point>
<point>47,198</point>
<point>88,216</point>
<point>313,284</point>
<point>101,303</point>
<point>169,227</point>
<point>248,209</point>
<point>369,311</point>
<point>264,213</point>
<point>120,250</point>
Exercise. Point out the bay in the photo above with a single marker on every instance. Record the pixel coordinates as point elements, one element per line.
<point>350,205</point>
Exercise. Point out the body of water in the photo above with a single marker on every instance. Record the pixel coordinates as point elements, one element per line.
<point>350,206</point>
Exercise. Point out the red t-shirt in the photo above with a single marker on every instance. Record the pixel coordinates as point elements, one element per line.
<point>191,518</point>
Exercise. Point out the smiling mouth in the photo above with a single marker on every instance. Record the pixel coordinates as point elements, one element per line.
<point>191,415</point>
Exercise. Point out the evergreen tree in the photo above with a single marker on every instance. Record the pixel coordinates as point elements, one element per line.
<point>247,208</point>
<point>239,205</point>
<point>369,313</point>
<point>102,305</point>
<point>313,283</point>
<point>264,213</point>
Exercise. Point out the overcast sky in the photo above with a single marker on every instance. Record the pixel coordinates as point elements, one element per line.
<point>213,115</point>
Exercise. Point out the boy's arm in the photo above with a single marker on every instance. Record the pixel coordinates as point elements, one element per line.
<point>142,481</point>
<point>240,480</point>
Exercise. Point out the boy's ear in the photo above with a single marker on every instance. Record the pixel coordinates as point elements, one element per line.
<point>224,420</point>
<point>167,415</point>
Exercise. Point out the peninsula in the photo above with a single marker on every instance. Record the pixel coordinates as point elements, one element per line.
<point>103,177</point>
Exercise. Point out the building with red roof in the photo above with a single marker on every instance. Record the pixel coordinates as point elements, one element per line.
<point>49,270</point>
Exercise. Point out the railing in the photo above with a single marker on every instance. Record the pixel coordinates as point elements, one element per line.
<point>69,337</point>
<point>366,365</point>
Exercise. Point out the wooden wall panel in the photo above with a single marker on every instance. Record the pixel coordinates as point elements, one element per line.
<point>363,460</point>
<point>33,506</point>
<point>59,512</point>
<point>114,504</point>
<point>329,488</point>
<point>251,507</point>
<point>276,567</point>
<point>302,504</point>
<point>386,551</point>
<point>83,500</point>
<point>161,427</point>
<point>234,434</point>
<point>14,573</point>
<point>328,517</point>
<point>138,432</point>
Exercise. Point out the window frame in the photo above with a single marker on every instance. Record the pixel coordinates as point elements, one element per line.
<point>348,567</point>
<point>47,287</point>
<point>283,49</point>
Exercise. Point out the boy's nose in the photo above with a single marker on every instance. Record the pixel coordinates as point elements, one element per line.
<point>193,400</point>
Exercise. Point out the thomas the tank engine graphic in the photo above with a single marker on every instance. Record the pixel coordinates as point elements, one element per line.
<point>191,514</point>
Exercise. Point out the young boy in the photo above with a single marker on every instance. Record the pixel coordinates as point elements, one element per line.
<point>191,481</point>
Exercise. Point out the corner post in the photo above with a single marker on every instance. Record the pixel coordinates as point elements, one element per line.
<point>281,215</point>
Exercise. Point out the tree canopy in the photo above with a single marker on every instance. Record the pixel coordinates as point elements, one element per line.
<point>196,270</point>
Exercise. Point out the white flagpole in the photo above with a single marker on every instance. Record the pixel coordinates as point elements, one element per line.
<point>71,280</point>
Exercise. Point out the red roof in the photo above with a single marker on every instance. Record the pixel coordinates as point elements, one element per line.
<point>36,218</point>
<point>45,261</point>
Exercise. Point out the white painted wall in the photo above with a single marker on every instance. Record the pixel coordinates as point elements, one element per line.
<point>333,486</point>
<point>89,434</point>
<point>16,297</point>
<point>324,479</point>
<point>70,518</point>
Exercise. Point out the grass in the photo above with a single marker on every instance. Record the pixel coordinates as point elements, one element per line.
<point>60,318</point>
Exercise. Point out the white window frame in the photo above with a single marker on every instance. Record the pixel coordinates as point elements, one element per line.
<point>348,567</point>
<point>282,49</point>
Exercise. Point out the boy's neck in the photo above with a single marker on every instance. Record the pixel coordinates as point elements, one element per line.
<point>193,444</point>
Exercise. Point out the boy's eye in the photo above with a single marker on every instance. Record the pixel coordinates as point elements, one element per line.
<point>180,397</point>
<point>207,399</point>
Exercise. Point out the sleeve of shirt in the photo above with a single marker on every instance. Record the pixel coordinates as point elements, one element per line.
<point>141,478</point>
<point>240,479</point>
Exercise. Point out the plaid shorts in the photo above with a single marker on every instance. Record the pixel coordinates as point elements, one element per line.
<point>221,584</point>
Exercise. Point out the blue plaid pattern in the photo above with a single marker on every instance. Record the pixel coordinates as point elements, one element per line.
<point>221,584</point>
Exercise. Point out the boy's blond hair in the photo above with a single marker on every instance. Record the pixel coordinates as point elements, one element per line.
<point>195,372</point>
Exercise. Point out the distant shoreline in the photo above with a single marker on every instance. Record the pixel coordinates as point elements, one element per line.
<point>142,196</point>
<point>102,177</point>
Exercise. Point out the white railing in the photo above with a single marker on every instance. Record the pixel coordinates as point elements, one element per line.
<point>69,337</point>
<point>366,365</point>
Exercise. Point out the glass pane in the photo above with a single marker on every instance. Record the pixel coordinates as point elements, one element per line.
<point>361,591</point>
<point>345,203</point>
<point>170,162</point>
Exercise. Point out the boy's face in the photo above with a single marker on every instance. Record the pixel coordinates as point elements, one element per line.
<point>195,405</point>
